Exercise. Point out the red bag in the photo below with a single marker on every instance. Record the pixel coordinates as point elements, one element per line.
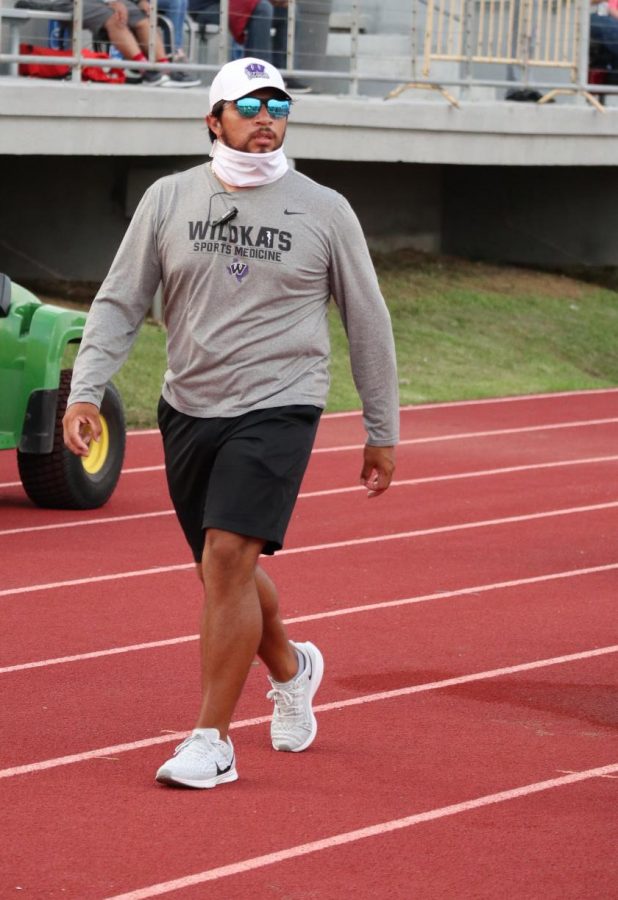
<point>58,70</point>
<point>97,73</point>
<point>43,70</point>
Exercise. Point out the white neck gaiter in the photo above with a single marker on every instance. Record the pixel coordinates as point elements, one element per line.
<point>247,169</point>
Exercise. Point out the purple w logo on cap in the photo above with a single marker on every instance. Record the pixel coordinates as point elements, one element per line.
<point>256,70</point>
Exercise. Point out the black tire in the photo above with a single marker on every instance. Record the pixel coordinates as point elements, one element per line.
<point>60,480</point>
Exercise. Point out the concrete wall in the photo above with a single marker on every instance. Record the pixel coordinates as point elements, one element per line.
<point>62,219</point>
<point>551,218</point>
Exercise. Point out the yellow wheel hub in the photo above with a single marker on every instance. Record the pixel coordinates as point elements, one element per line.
<point>95,460</point>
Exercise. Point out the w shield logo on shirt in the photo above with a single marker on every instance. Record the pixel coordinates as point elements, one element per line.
<point>238,270</point>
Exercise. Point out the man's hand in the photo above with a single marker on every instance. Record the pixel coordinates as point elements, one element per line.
<point>378,468</point>
<point>81,424</point>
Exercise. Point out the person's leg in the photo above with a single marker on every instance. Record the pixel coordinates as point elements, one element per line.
<point>280,46</point>
<point>280,38</point>
<point>98,16</point>
<point>228,647</point>
<point>296,672</point>
<point>258,31</point>
<point>230,635</point>
<point>226,478</point>
<point>275,649</point>
<point>142,32</point>
<point>604,31</point>
<point>175,10</point>
<point>121,37</point>
<point>231,625</point>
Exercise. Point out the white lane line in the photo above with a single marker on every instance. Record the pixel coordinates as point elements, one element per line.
<point>324,707</point>
<point>412,408</point>
<point>329,614</point>
<point>77,523</point>
<point>468,435</point>
<point>431,478</point>
<point>464,435</point>
<point>444,529</point>
<point>483,401</point>
<point>335,545</point>
<point>94,579</point>
<point>447,404</point>
<point>359,834</point>
<point>352,489</point>
<point>475,473</point>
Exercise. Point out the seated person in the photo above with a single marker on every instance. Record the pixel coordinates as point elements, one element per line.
<point>250,22</point>
<point>127,26</point>
<point>176,11</point>
<point>604,33</point>
<point>280,45</point>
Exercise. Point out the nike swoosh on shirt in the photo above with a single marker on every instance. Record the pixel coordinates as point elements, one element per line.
<point>289,212</point>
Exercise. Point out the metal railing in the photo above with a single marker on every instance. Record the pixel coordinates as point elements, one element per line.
<point>13,19</point>
<point>522,32</point>
<point>448,43</point>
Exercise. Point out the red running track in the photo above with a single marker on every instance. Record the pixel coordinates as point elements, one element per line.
<point>467,743</point>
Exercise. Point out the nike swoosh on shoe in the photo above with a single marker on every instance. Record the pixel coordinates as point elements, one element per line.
<point>225,769</point>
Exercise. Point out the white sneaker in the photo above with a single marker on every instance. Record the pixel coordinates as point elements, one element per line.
<point>294,725</point>
<point>203,760</point>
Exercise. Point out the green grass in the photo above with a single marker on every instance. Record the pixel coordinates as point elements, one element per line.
<point>139,381</point>
<point>463,330</point>
<point>466,330</point>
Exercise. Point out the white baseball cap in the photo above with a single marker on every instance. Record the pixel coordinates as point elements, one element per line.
<point>243,76</point>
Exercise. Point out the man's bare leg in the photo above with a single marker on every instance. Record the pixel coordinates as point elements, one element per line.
<point>142,32</point>
<point>231,625</point>
<point>258,628</point>
<point>275,649</point>
<point>122,38</point>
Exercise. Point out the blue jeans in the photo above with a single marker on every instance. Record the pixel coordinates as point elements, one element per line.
<point>604,33</point>
<point>258,41</point>
<point>280,39</point>
<point>175,10</point>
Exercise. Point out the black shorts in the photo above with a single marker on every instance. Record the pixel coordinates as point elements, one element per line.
<point>239,474</point>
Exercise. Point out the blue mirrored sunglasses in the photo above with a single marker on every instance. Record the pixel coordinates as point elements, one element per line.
<point>249,107</point>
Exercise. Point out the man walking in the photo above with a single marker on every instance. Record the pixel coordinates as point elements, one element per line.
<point>249,253</point>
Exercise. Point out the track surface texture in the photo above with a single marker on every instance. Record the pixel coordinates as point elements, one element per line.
<point>467,743</point>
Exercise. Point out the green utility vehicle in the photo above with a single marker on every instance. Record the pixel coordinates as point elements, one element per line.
<point>34,389</point>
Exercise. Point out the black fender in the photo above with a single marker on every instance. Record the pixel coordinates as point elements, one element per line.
<point>39,422</point>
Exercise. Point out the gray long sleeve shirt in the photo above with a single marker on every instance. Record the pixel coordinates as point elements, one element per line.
<point>245,302</point>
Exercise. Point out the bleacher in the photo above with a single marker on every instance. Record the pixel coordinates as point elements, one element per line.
<point>372,48</point>
<point>387,79</point>
<point>408,118</point>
